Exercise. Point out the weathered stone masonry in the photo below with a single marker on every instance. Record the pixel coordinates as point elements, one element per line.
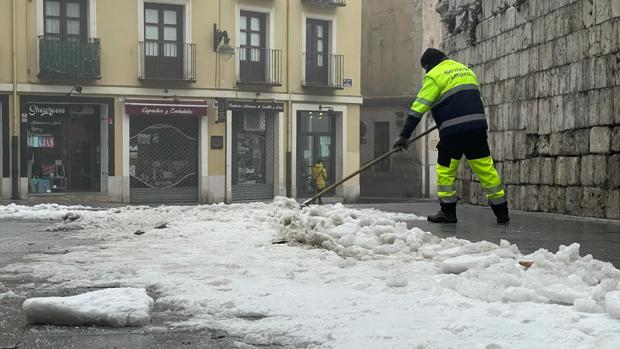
<point>550,83</point>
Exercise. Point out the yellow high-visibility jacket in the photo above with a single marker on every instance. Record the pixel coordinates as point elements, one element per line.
<point>452,92</point>
<point>319,174</point>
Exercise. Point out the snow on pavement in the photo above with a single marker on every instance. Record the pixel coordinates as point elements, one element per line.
<point>348,278</point>
<point>115,307</point>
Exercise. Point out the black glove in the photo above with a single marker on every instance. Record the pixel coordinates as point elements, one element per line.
<point>401,143</point>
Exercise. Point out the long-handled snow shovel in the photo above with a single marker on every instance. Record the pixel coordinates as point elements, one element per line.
<point>365,167</point>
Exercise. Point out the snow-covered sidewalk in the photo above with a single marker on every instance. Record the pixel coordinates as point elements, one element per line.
<point>347,278</point>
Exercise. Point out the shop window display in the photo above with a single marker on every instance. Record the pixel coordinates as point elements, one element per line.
<point>250,149</point>
<point>64,148</point>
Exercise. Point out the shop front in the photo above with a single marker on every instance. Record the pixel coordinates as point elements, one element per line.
<point>316,141</point>
<point>66,143</point>
<point>319,134</point>
<point>164,154</point>
<point>254,145</point>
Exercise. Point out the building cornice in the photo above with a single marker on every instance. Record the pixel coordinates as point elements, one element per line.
<point>124,91</point>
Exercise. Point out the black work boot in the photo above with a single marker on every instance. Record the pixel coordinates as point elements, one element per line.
<point>501,212</point>
<point>446,215</point>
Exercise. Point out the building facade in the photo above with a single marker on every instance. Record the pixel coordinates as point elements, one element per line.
<point>149,101</point>
<point>395,34</point>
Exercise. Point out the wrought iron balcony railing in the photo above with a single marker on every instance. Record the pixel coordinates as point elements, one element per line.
<point>162,60</point>
<point>324,70</point>
<point>259,66</point>
<point>327,3</point>
<point>69,57</point>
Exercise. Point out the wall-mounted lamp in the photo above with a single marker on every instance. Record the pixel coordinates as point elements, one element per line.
<point>218,37</point>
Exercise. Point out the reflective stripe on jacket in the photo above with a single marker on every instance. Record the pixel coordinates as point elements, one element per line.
<point>451,90</point>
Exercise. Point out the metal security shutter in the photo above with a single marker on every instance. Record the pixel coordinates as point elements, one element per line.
<point>252,192</point>
<point>158,196</point>
<point>163,160</point>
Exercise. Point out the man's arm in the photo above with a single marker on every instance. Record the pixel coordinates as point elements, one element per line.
<point>423,102</point>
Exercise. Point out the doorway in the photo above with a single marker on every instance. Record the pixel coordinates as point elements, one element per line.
<point>316,140</point>
<point>163,40</point>
<point>253,155</point>
<point>318,58</point>
<point>252,46</point>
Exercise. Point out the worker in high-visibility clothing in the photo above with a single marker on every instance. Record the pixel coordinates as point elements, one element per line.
<point>452,92</point>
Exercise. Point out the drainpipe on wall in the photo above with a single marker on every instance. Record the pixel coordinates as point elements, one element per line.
<point>15,136</point>
<point>289,120</point>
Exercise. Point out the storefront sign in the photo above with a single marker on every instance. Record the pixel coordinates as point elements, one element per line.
<point>47,110</point>
<point>166,109</point>
<point>237,105</point>
<point>221,110</point>
<point>40,141</point>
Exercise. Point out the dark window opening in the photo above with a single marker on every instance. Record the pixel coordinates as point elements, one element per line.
<point>382,145</point>
<point>65,18</point>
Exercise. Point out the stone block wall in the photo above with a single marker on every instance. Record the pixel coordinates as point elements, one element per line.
<point>550,79</point>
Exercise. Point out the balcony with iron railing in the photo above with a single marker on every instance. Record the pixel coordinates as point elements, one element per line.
<point>169,61</point>
<point>69,57</point>
<point>324,70</point>
<point>259,66</point>
<point>326,3</point>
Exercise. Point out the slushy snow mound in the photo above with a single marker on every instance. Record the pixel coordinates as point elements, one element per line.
<point>487,271</point>
<point>114,307</point>
<point>344,278</point>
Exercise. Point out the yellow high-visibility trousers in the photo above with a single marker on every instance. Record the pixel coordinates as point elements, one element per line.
<point>483,168</point>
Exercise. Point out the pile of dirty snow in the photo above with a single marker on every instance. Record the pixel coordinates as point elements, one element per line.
<point>114,307</point>
<point>486,271</point>
<point>346,278</point>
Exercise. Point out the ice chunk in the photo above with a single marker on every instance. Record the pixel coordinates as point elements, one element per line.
<point>284,202</point>
<point>568,254</point>
<point>599,292</point>
<point>612,304</point>
<point>345,229</point>
<point>588,306</point>
<point>469,248</point>
<point>366,241</point>
<point>388,238</point>
<point>474,289</point>
<point>462,263</point>
<point>522,294</point>
<point>8,295</point>
<point>116,307</point>
<point>347,240</point>
<point>560,293</point>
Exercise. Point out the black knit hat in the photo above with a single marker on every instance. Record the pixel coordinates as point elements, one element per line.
<point>431,57</point>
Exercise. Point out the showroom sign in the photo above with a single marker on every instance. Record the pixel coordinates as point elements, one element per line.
<point>47,110</point>
<point>166,109</point>
<point>237,105</point>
